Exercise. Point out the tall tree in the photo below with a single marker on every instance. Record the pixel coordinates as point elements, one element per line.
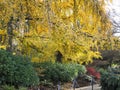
<point>42,28</point>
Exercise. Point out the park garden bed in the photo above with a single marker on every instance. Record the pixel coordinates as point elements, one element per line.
<point>18,73</point>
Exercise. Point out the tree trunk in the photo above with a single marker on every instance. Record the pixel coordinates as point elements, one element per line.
<point>10,34</point>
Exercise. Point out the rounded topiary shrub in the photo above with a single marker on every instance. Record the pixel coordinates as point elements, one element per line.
<point>16,70</point>
<point>55,72</point>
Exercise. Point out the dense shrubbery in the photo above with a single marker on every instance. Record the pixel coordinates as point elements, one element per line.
<point>55,72</point>
<point>16,70</point>
<point>110,80</point>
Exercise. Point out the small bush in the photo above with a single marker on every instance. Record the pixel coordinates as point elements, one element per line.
<point>16,70</point>
<point>74,70</point>
<point>56,72</point>
<point>110,81</point>
<point>93,72</point>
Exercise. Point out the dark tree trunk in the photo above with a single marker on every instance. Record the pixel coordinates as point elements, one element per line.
<point>10,34</point>
<point>59,56</point>
<point>0,38</point>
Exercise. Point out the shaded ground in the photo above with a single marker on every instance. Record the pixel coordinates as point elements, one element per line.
<point>68,86</point>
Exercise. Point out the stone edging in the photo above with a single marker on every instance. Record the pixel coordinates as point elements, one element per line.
<point>95,87</point>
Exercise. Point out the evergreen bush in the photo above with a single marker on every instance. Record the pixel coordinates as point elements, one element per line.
<point>55,72</point>
<point>110,80</point>
<point>16,70</point>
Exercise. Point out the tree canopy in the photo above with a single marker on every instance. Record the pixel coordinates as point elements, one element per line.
<point>77,29</point>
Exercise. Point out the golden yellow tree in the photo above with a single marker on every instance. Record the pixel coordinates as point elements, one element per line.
<point>42,28</point>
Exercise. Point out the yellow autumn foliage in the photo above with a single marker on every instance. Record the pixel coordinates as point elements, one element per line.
<point>3,47</point>
<point>75,28</point>
<point>3,32</point>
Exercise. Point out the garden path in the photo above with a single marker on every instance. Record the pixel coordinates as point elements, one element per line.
<point>95,87</point>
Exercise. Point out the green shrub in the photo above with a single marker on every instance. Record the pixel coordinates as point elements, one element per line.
<point>110,81</point>
<point>7,87</point>
<point>56,72</point>
<point>16,70</point>
<point>74,70</point>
